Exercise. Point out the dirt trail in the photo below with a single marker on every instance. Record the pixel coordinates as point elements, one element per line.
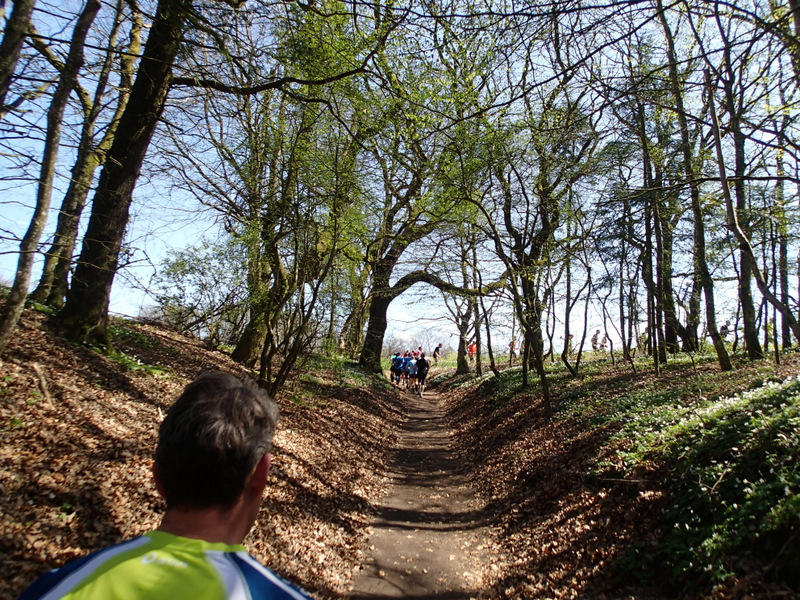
<point>428,536</point>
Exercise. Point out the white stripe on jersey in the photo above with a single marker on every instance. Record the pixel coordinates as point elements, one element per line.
<point>91,566</point>
<point>232,578</point>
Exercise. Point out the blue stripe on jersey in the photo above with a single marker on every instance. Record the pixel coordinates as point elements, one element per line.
<point>263,583</point>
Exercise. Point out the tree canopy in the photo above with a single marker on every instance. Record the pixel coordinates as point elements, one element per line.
<point>551,169</point>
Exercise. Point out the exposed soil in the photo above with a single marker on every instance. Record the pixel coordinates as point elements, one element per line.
<point>427,538</point>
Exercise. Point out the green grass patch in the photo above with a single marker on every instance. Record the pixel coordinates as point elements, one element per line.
<point>728,444</point>
<point>131,363</point>
<point>320,372</point>
<point>119,332</point>
<point>44,309</point>
<point>344,370</point>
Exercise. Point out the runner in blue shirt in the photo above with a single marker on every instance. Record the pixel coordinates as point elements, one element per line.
<point>397,368</point>
<point>406,366</point>
<point>412,374</point>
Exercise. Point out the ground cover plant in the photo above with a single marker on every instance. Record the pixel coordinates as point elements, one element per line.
<point>684,485</point>
<point>733,466</point>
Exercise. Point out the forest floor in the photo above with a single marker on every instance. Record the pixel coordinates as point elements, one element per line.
<point>374,492</point>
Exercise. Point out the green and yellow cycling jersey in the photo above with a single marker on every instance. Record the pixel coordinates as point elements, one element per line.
<point>162,565</point>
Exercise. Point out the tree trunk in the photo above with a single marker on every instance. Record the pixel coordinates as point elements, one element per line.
<point>487,324</point>
<point>473,310</point>
<point>72,65</point>
<point>783,275</point>
<point>649,280</point>
<point>52,286</point>
<point>13,37</point>
<point>537,346</point>
<point>794,46</point>
<point>351,337</point>
<point>565,352</point>
<point>749,315</point>
<point>248,349</point>
<point>702,275</point>
<point>749,264</point>
<point>621,300</point>
<point>54,281</point>
<point>462,362</point>
<point>783,238</point>
<point>85,314</point>
<point>376,330</point>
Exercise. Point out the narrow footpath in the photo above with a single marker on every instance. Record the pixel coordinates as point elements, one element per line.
<point>428,539</point>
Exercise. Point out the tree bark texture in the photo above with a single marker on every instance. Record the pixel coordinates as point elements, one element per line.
<point>702,274</point>
<point>749,265</point>
<point>54,281</point>
<point>85,314</point>
<point>55,114</point>
<point>13,37</point>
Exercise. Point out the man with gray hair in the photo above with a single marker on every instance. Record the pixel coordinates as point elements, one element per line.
<point>211,466</point>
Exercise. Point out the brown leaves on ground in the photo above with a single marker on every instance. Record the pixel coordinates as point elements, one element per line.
<point>78,433</point>
<point>559,530</point>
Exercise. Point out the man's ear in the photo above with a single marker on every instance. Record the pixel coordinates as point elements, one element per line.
<point>157,479</point>
<point>260,473</point>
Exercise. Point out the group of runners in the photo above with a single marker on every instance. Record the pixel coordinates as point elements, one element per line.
<point>410,369</point>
